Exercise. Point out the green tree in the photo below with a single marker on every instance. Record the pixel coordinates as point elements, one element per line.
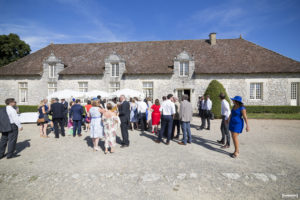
<point>213,90</point>
<point>12,48</point>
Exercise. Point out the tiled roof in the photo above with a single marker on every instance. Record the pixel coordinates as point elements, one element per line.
<point>157,57</point>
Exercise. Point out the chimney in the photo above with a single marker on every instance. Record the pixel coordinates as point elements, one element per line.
<point>212,38</point>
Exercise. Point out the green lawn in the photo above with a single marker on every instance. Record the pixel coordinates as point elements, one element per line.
<point>273,116</point>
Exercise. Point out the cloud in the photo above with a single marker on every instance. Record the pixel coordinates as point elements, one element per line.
<point>97,28</point>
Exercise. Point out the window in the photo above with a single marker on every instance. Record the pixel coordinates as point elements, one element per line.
<point>83,86</point>
<point>148,89</point>
<point>293,91</point>
<point>255,90</point>
<point>184,69</point>
<point>114,86</point>
<point>52,87</point>
<point>23,92</point>
<point>51,71</point>
<point>115,69</point>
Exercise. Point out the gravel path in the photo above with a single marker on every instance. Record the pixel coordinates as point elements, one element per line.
<point>67,168</point>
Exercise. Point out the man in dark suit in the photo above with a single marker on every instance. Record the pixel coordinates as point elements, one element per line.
<point>76,113</point>
<point>101,101</point>
<point>63,101</point>
<point>124,114</point>
<point>57,111</point>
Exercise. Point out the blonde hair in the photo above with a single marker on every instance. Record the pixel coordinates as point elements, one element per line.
<point>42,103</point>
<point>95,103</point>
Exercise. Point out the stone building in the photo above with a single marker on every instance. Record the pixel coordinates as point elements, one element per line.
<point>260,76</point>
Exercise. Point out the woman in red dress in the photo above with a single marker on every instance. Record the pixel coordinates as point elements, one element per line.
<point>155,116</point>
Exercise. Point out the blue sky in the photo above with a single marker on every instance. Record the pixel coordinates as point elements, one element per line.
<point>274,24</point>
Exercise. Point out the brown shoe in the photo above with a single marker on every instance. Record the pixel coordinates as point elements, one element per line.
<point>167,143</point>
<point>181,143</point>
<point>157,141</point>
<point>79,135</point>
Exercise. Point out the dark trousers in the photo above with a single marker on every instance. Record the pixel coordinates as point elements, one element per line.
<point>76,127</point>
<point>59,121</point>
<point>206,117</point>
<point>167,123</point>
<point>177,124</point>
<point>225,131</point>
<point>66,119</point>
<point>201,114</point>
<point>10,139</point>
<point>124,131</point>
<point>143,121</point>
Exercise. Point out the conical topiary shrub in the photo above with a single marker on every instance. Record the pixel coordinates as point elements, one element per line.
<point>213,90</point>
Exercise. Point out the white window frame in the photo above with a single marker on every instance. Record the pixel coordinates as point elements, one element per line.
<point>115,69</point>
<point>114,86</point>
<point>294,90</point>
<point>148,88</point>
<point>184,68</point>
<point>256,91</point>
<point>52,87</point>
<point>83,86</point>
<point>51,71</point>
<point>23,86</point>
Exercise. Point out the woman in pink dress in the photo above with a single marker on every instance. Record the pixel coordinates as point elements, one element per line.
<point>155,116</point>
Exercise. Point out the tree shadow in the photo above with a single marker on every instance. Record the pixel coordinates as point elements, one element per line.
<point>22,145</point>
<point>208,144</point>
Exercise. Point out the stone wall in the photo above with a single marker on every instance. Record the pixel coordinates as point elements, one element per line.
<point>276,87</point>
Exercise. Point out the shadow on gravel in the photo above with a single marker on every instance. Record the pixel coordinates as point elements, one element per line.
<point>89,142</point>
<point>150,136</point>
<point>195,126</point>
<point>208,144</point>
<point>22,145</point>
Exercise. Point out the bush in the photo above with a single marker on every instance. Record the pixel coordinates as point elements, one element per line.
<point>273,109</point>
<point>213,90</point>
<point>25,108</point>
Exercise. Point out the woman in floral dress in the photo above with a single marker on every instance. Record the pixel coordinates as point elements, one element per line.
<point>111,122</point>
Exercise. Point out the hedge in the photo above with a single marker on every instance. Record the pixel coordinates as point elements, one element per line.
<point>213,90</point>
<point>26,108</point>
<point>273,109</point>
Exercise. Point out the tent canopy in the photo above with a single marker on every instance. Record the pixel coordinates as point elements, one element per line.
<point>69,94</point>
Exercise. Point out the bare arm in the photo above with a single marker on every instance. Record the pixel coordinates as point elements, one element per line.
<point>43,110</point>
<point>246,119</point>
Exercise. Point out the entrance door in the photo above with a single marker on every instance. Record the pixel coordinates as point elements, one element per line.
<point>294,93</point>
<point>181,92</point>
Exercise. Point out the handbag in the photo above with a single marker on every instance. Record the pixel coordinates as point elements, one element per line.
<point>212,116</point>
<point>40,120</point>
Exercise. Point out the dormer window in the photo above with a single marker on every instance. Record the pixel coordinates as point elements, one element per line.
<point>115,71</point>
<point>184,69</point>
<point>184,65</point>
<point>51,71</point>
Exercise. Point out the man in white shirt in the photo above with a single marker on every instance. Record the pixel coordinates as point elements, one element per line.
<point>10,137</point>
<point>225,112</point>
<point>168,110</point>
<point>207,105</point>
<point>142,107</point>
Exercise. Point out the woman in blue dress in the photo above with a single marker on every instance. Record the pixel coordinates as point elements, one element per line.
<point>43,109</point>
<point>236,122</point>
<point>133,114</point>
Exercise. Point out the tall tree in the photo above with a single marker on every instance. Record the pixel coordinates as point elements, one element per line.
<point>12,48</point>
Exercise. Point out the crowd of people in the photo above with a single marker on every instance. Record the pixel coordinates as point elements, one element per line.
<point>102,120</point>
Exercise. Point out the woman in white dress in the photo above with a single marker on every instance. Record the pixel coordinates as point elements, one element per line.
<point>96,126</point>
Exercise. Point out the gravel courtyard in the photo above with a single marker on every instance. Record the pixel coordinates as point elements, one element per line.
<point>267,168</point>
